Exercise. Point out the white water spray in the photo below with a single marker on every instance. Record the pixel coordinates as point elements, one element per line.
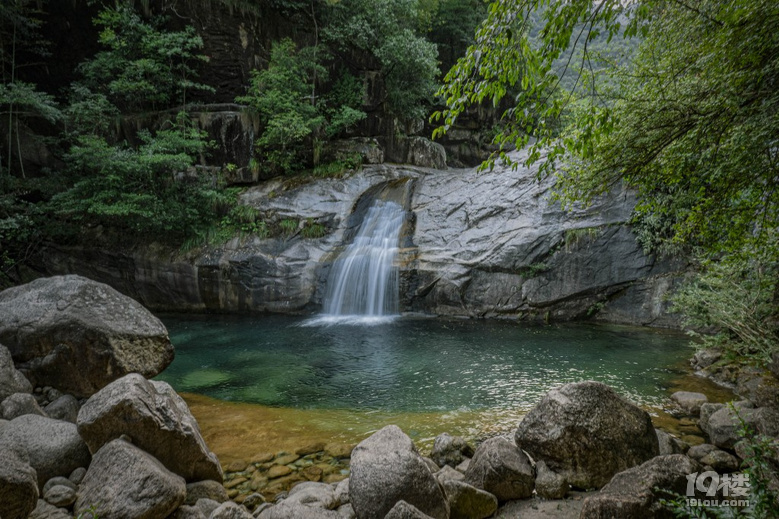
<point>363,282</point>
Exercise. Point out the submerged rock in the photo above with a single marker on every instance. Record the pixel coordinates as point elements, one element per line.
<point>587,433</point>
<point>79,335</point>
<point>386,468</point>
<point>157,420</point>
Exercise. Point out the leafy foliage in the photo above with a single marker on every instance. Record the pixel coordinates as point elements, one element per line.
<point>736,296</point>
<point>284,96</point>
<point>143,66</point>
<point>149,189</point>
<point>386,30</point>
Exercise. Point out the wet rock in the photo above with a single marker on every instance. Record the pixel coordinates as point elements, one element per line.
<point>417,151</point>
<point>188,512</point>
<point>667,443</point>
<point>278,471</point>
<point>124,481</point>
<point>403,510</point>
<point>387,468</point>
<point>230,510</point>
<point>690,402</point>
<point>698,452</point>
<point>157,420</point>
<point>237,466</point>
<point>706,411</point>
<point>18,483</point>
<point>723,426</point>
<point>58,481</point>
<point>450,450</point>
<point>587,433</point>
<point>78,335</point>
<point>549,484</point>
<point>20,404</point>
<point>77,476</point>
<point>11,380</point>
<point>54,447</point>
<point>61,496</point>
<point>64,408</point>
<point>705,358</point>
<point>631,493</point>
<point>252,501</point>
<point>310,449</point>
<point>205,490</point>
<point>346,512</point>
<point>286,459</point>
<point>207,506</point>
<point>447,473</point>
<point>342,491</point>
<point>502,469</point>
<point>721,461</point>
<point>45,510</point>
<point>468,502</point>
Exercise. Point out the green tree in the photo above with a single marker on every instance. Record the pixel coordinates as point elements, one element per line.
<point>295,120</point>
<point>20,36</point>
<point>149,190</point>
<point>143,66</point>
<point>691,123</point>
<point>387,30</point>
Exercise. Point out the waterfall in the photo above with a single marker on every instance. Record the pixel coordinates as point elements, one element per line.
<point>364,280</point>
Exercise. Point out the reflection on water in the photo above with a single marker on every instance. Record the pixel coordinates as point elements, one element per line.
<point>342,382</point>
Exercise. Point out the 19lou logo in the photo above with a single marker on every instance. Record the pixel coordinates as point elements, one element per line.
<point>725,490</point>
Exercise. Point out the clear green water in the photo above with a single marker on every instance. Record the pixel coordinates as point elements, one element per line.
<point>414,364</point>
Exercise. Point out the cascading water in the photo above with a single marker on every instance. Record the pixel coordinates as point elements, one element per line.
<point>364,280</point>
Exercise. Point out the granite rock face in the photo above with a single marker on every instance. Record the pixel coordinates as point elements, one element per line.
<point>78,335</point>
<point>477,244</point>
<point>586,432</point>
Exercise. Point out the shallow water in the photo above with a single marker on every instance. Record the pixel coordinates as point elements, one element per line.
<point>340,382</point>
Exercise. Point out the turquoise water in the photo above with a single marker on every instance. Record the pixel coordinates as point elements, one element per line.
<point>413,364</point>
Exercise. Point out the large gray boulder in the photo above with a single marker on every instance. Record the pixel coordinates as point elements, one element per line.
<point>124,481</point>
<point>309,500</point>
<point>78,335</point>
<point>18,483</point>
<point>11,379</point>
<point>450,450</point>
<point>632,494</point>
<point>63,408</point>
<point>403,510</point>
<point>157,420</point>
<point>587,433</point>
<point>20,404</point>
<point>502,469</point>
<point>689,401</point>
<point>468,502</point>
<point>724,426</point>
<point>54,447</point>
<point>386,468</point>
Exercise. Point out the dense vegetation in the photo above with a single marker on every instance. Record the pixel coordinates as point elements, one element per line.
<point>689,121</point>
<point>117,187</point>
